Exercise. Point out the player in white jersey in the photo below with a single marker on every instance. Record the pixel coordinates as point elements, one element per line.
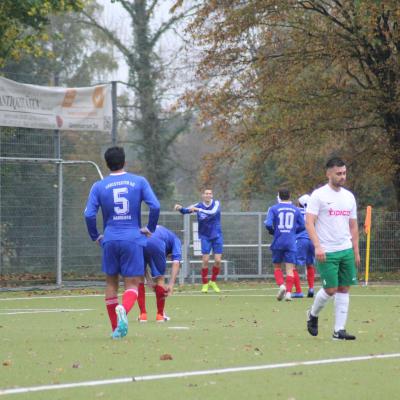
<point>331,222</point>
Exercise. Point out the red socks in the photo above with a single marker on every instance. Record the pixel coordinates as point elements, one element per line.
<point>141,298</point>
<point>215,272</point>
<point>310,276</point>
<point>296,280</point>
<point>129,298</point>
<point>289,283</point>
<point>160,297</point>
<point>278,276</point>
<point>204,275</point>
<point>111,303</point>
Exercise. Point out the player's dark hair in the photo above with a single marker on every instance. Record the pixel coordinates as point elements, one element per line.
<point>335,162</point>
<point>115,158</point>
<point>284,194</point>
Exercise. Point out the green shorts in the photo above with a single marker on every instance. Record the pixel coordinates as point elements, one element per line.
<point>339,269</point>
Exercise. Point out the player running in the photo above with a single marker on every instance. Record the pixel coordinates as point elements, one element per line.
<point>284,221</point>
<point>209,219</point>
<point>120,196</point>
<point>160,245</point>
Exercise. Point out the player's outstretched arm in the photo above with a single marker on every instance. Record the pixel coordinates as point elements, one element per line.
<point>185,210</point>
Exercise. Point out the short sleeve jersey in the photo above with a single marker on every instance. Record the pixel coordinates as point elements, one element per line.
<point>333,209</point>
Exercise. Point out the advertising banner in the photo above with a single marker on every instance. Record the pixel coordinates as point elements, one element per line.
<point>44,107</point>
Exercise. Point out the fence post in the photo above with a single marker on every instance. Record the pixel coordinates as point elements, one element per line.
<point>59,224</point>
<point>260,244</point>
<point>186,244</point>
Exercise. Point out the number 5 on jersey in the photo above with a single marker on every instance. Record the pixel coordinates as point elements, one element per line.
<point>121,202</point>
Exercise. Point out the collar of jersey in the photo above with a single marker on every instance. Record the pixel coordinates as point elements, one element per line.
<point>119,173</point>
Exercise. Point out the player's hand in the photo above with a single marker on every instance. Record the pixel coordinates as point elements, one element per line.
<point>194,209</point>
<point>177,207</point>
<point>145,231</point>
<point>320,254</point>
<point>170,290</point>
<point>99,239</point>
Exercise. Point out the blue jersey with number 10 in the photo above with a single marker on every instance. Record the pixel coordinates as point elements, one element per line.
<point>120,197</point>
<point>284,221</point>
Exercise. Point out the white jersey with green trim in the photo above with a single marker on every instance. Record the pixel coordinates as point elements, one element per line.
<point>333,209</point>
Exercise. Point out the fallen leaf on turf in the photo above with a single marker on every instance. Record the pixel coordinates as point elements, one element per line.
<point>7,363</point>
<point>76,365</point>
<point>165,357</point>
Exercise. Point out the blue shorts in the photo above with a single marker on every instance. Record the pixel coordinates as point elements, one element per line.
<point>287,256</point>
<point>155,258</point>
<point>305,252</point>
<point>123,257</point>
<point>216,245</point>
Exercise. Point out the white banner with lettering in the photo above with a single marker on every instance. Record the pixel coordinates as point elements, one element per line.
<point>45,107</point>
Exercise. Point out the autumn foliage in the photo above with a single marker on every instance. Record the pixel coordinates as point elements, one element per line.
<point>286,84</point>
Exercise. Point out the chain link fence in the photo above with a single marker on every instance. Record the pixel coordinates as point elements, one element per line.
<point>43,237</point>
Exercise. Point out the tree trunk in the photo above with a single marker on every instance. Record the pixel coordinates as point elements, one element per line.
<point>154,155</point>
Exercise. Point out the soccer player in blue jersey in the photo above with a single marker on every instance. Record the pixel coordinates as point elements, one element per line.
<point>209,219</point>
<point>305,249</point>
<point>160,245</point>
<point>284,221</point>
<point>120,196</point>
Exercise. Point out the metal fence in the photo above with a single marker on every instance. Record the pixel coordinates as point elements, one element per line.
<point>43,237</point>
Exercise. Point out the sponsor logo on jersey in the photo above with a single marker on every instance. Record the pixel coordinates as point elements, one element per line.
<point>339,213</point>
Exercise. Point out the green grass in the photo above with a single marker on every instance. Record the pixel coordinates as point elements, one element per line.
<point>240,327</point>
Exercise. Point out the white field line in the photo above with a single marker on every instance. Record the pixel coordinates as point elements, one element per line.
<point>132,379</point>
<point>187,294</point>
<point>40,311</point>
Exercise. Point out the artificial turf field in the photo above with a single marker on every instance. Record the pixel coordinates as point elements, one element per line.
<point>243,326</point>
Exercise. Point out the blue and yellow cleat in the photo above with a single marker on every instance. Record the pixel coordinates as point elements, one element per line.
<point>297,295</point>
<point>122,326</point>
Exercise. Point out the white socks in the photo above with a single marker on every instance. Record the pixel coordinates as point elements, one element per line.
<point>341,310</point>
<point>319,302</point>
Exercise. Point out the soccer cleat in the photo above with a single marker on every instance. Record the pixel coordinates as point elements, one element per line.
<point>160,318</point>
<point>204,288</point>
<point>281,292</point>
<point>122,326</point>
<point>166,318</point>
<point>312,324</point>
<point>310,293</point>
<point>142,317</point>
<point>214,286</point>
<point>288,296</point>
<point>342,335</point>
<point>116,334</point>
<point>297,295</point>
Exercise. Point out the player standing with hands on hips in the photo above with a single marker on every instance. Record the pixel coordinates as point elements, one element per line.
<point>209,219</point>
<point>331,222</point>
<point>120,196</point>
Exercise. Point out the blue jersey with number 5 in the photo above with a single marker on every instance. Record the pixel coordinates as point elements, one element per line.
<point>284,220</point>
<point>120,196</point>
